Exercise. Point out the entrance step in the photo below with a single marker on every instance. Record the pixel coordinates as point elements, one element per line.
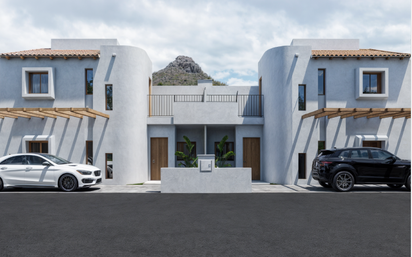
<point>259,182</point>
<point>152,182</point>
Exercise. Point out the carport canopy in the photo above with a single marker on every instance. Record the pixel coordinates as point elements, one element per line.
<point>360,113</point>
<point>50,112</point>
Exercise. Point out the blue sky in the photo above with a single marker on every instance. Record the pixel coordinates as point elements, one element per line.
<point>226,38</point>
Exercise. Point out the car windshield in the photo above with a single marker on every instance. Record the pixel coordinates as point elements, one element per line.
<point>55,159</point>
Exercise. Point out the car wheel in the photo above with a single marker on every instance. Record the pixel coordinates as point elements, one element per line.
<point>68,183</point>
<point>324,184</point>
<point>395,185</point>
<point>343,181</point>
<point>408,183</point>
<point>1,184</point>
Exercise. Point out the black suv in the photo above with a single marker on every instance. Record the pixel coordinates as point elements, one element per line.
<point>342,168</point>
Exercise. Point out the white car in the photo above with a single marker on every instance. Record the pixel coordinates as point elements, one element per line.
<point>46,170</point>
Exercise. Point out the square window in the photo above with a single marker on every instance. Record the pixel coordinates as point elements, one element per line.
<point>38,83</point>
<point>372,83</point>
<point>229,146</point>
<point>182,147</point>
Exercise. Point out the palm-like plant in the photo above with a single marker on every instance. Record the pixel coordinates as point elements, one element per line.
<point>189,161</point>
<point>222,158</point>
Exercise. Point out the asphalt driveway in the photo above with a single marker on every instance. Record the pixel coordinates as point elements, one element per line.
<point>282,224</point>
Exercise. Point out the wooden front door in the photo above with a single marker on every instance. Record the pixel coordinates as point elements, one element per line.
<point>158,156</point>
<point>251,156</point>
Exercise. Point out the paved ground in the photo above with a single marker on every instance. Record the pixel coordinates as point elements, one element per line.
<point>280,224</point>
<point>256,188</point>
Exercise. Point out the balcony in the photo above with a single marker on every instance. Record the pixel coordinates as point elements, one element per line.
<point>234,105</point>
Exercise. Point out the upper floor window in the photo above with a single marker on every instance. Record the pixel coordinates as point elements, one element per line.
<point>302,98</point>
<point>89,81</point>
<point>38,83</point>
<point>109,97</point>
<point>321,81</point>
<point>372,83</point>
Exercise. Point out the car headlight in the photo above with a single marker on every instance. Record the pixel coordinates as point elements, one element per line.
<point>84,172</point>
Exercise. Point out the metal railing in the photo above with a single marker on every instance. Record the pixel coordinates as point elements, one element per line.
<point>222,98</point>
<point>250,105</point>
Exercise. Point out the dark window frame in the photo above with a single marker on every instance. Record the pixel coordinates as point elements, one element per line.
<point>31,82</point>
<point>302,173</point>
<point>41,146</point>
<point>226,149</point>
<point>106,88</point>
<point>107,173</point>
<point>304,97</point>
<point>86,82</point>
<point>181,147</point>
<point>324,81</point>
<point>379,82</point>
<point>89,150</point>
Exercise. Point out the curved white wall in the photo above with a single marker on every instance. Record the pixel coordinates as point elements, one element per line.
<point>125,133</point>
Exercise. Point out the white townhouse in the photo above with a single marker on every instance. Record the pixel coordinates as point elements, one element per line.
<point>92,101</point>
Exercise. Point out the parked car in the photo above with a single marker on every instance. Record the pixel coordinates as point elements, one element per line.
<point>342,168</point>
<point>46,170</point>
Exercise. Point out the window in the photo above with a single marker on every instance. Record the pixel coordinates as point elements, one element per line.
<point>38,83</point>
<point>109,166</point>
<point>35,160</point>
<point>89,152</point>
<point>302,97</point>
<point>321,81</point>
<point>302,166</point>
<point>380,155</point>
<point>181,147</point>
<point>372,83</point>
<point>229,146</point>
<point>344,154</point>
<point>39,147</point>
<point>359,154</point>
<point>321,146</point>
<point>377,144</point>
<point>109,97</point>
<point>89,81</point>
<point>17,160</point>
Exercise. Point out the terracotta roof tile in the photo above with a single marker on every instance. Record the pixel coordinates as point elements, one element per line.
<point>357,53</point>
<point>47,52</point>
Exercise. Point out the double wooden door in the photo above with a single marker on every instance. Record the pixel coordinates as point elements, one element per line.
<point>251,155</point>
<point>158,156</point>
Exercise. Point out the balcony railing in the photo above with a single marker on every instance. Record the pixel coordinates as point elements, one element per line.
<point>248,105</point>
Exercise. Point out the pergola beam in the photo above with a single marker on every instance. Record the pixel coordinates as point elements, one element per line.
<point>50,112</point>
<point>359,113</point>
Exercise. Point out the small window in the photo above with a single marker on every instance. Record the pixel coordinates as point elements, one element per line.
<point>302,166</point>
<point>109,166</point>
<point>38,147</point>
<point>181,147</point>
<point>89,152</point>
<point>35,160</point>
<point>377,144</point>
<point>321,81</point>
<point>344,154</point>
<point>39,83</point>
<point>302,97</point>
<point>89,81</point>
<point>321,146</point>
<point>359,154</point>
<point>380,155</point>
<point>229,146</point>
<point>17,160</point>
<point>109,97</point>
<point>372,83</point>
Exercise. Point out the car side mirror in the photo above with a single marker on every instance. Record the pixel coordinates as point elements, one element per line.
<point>46,164</point>
<point>391,159</point>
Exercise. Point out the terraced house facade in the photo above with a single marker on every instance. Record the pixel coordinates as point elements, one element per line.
<point>92,101</point>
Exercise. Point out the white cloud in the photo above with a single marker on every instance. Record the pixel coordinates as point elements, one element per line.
<point>240,82</point>
<point>221,75</point>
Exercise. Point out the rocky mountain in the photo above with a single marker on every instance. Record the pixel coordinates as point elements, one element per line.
<point>182,71</point>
